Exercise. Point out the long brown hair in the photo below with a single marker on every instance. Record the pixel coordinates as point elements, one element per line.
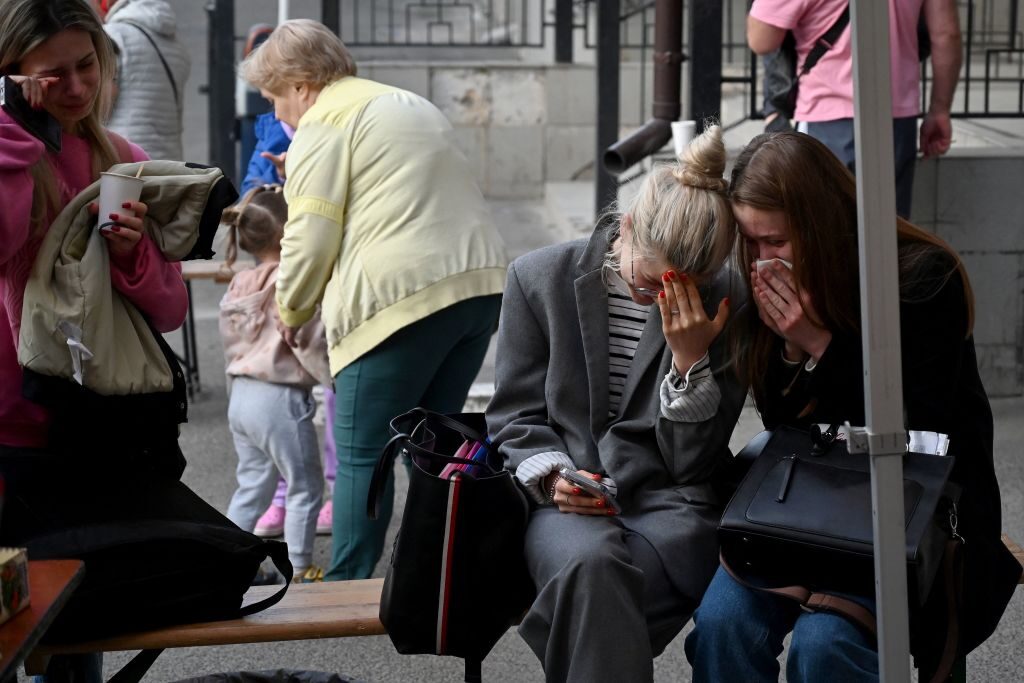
<point>798,175</point>
<point>24,26</point>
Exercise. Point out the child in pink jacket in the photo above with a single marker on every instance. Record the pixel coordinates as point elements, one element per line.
<point>271,408</point>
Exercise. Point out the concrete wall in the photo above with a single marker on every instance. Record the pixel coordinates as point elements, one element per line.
<point>521,125</point>
<point>974,199</point>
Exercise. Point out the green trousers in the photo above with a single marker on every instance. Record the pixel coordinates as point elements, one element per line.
<point>432,364</point>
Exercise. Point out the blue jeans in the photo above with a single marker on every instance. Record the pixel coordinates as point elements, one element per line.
<point>739,631</point>
<point>838,137</point>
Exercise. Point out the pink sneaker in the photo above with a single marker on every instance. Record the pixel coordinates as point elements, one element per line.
<point>324,519</point>
<point>271,524</point>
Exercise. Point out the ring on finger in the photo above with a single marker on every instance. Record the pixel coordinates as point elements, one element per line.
<point>675,311</point>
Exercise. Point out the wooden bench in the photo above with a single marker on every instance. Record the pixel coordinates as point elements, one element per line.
<point>1017,552</point>
<point>309,611</point>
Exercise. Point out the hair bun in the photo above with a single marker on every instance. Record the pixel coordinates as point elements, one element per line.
<point>699,179</point>
<point>702,163</point>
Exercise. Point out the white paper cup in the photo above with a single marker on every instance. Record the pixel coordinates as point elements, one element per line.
<point>682,133</point>
<point>115,190</point>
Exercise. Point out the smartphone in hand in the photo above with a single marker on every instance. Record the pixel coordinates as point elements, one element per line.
<point>38,122</point>
<point>591,487</point>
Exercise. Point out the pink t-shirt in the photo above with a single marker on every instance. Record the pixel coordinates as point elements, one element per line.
<point>826,93</point>
<point>144,277</point>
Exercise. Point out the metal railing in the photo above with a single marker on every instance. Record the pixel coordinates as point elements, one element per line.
<point>995,48</point>
<point>449,23</point>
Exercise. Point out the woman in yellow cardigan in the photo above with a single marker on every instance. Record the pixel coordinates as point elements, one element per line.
<point>390,235</point>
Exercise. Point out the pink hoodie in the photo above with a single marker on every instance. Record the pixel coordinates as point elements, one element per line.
<point>252,345</point>
<point>144,277</point>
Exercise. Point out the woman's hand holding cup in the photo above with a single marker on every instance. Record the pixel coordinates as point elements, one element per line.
<point>126,231</point>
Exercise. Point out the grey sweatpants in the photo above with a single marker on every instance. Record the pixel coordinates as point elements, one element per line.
<point>272,425</point>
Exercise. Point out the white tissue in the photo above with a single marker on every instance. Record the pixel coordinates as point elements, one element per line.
<point>763,262</point>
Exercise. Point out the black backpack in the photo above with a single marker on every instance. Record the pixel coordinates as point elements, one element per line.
<point>178,560</point>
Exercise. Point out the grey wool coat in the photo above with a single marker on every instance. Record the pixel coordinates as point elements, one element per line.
<point>552,395</point>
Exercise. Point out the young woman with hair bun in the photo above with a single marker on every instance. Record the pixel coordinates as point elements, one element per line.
<point>611,363</point>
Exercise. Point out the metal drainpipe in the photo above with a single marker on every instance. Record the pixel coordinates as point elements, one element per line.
<point>221,86</point>
<point>668,61</point>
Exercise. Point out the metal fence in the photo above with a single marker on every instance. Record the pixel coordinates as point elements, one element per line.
<point>992,78</point>
<point>450,23</point>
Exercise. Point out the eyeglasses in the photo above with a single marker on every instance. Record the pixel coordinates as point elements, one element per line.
<point>642,291</point>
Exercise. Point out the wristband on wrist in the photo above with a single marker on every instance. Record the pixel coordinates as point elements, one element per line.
<point>551,489</point>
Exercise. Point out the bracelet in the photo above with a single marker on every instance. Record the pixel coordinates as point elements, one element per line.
<point>551,489</point>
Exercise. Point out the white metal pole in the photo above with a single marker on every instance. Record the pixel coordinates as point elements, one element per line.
<point>282,11</point>
<point>879,287</point>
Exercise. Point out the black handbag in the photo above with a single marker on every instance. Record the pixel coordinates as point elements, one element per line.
<point>802,516</point>
<point>457,577</point>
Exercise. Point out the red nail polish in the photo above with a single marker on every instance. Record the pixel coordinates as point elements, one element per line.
<point>610,512</point>
<point>682,277</point>
<point>126,205</point>
<point>114,217</point>
<point>665,277</point>
<point>661,294</point>
<point>575,490</point>
<point>726,301</point>
<point>599,503</point>
<point>115,228</point>
<point>672,275</point>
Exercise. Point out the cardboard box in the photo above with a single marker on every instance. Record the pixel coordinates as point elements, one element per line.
<point>13,582</point>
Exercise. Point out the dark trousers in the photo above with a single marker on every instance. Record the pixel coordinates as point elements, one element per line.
<point>838,137</point>
<point>432,364</point>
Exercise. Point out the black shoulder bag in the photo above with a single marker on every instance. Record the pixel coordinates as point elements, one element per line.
<point>457,577</point>
<point>800,525</point>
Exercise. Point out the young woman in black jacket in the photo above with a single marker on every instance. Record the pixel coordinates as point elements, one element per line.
<point>800,350</point>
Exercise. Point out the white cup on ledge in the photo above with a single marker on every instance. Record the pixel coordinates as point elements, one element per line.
<point>682,133</point>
